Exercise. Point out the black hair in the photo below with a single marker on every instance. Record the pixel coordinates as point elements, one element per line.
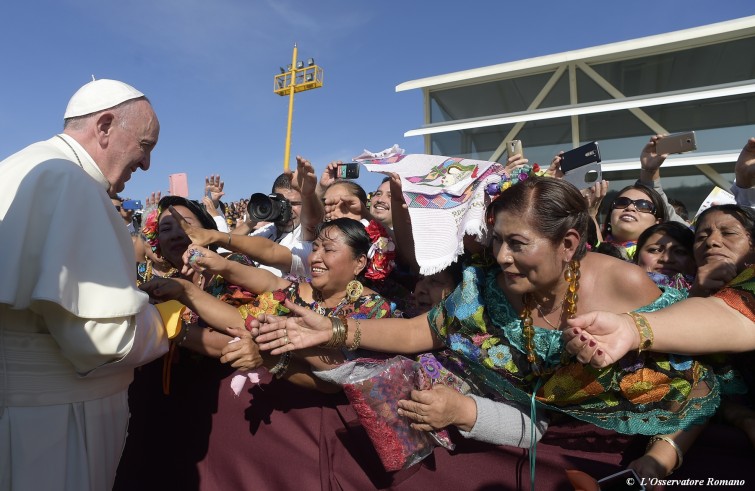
<point>677,231</point>
<point>744,215</point>
<point>194,206</point>
<point>680,208</point>
<point>554,206</point>
<point>283,181</point>
<point>355,237</point>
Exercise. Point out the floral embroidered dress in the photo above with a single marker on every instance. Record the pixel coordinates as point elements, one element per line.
<point>739,294</point>
<point>371,306</point>
<point>650,393</point>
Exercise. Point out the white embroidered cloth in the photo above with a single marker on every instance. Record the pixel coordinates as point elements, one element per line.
<point>446,198</point>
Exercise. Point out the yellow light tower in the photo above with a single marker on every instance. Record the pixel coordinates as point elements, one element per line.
<point>297,78</point>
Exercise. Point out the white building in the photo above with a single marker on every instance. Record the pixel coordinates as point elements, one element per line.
<point>700,79</point>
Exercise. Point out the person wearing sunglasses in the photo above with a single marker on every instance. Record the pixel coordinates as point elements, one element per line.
<point>635,209</point>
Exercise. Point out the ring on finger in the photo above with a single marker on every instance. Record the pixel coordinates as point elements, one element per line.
<point>285,340</point>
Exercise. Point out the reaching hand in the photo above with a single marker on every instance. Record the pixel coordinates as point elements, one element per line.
<point>215,186</point>
<point>200,259</point>
<point>554,170</point>
<point>713,276</point>
<point>328,177</point>
<point>281,334</point>
<point>600,338</point>
<point>649,160</point>
<point>243,354</point>
<point>342,206</point>
<point>197,235</point>
<point>164,289</point>
<point>594,196</point>
<point>151,201</point>
<point>745,166</point>
<point>437,408</point>
<point>397,193</point>
<point>305,174</point>
<point>210,207</point>
<point>514,162</point>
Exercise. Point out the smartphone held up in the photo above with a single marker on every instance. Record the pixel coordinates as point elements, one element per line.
<point>676,143</point>
<point>348,170</point>
<point>581,166</point>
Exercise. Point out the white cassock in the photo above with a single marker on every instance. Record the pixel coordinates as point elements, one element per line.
<point>73,325</point>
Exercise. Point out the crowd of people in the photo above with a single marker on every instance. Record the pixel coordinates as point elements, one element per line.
<point>213,344</point>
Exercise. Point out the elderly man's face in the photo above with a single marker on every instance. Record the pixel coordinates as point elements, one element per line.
<point>129,147</point>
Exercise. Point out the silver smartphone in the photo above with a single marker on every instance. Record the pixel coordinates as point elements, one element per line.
<point>585,176</point>
<point>676,143</point>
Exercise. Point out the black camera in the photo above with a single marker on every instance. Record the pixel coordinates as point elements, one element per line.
<point>269,208</point>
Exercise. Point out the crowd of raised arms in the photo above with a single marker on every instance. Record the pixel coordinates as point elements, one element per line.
<point>299,281</point>
<point>622,321</point>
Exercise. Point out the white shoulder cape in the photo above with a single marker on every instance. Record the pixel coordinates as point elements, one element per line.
<point>61,239</point>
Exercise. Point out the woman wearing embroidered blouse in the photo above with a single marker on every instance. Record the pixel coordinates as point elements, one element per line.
<point>503,323</point>
<point>722,322</point>
<point>338,258</point>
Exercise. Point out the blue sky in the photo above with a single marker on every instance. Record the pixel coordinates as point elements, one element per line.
<point>208,67</point>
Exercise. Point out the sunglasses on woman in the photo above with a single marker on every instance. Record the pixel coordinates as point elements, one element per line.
<point>641,205</point>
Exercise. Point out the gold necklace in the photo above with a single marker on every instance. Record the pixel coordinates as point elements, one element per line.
<point>540,311</point>
<point>319,304</point>
<point>569,305</point>
<point>149,272</point>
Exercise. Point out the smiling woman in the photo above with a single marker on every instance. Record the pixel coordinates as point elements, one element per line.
<point>502,329</point>
<point>636,208</point>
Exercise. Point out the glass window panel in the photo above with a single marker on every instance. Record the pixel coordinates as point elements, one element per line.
<point>486,99</point>
<point>721,63</point>
<point>541,141</point>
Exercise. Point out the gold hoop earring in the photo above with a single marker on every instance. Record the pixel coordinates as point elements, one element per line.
<point>354,290</point>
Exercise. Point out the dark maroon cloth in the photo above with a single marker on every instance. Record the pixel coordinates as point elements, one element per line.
<point>202,437</point>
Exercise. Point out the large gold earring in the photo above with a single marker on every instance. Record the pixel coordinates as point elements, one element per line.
<point>354,290</point>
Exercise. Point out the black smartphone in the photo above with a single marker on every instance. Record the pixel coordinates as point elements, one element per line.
<point>586,154</point>
<point>625,480</point>
<point>676,143</point>
<point>347,171</point>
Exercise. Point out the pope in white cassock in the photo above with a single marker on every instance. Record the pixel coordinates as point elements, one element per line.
<point>73,325</point>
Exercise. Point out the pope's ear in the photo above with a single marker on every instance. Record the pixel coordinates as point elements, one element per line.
<point>103,127</point>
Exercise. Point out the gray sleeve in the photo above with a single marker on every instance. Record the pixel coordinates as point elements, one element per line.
<point>671,214</point>
<point>743,196</point>
<point>504,423</point>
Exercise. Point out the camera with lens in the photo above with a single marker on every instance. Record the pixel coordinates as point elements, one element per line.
<point>269,208</point>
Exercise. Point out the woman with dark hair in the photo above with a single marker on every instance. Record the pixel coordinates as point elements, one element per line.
<point>664,250</point>
<point>218,440</point>
<point>338,260</point>
<point>503,326</point>
<point>175,241</point>
<point>633,210</point>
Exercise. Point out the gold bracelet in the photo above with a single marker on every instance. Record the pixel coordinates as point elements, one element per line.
<point>357,337</point>
<point>679,454</point>
<point>338,338</point>
<point>644,330</point>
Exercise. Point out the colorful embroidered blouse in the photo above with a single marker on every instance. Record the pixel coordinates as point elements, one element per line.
<point>739,294</point>
<point>650,393</point>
